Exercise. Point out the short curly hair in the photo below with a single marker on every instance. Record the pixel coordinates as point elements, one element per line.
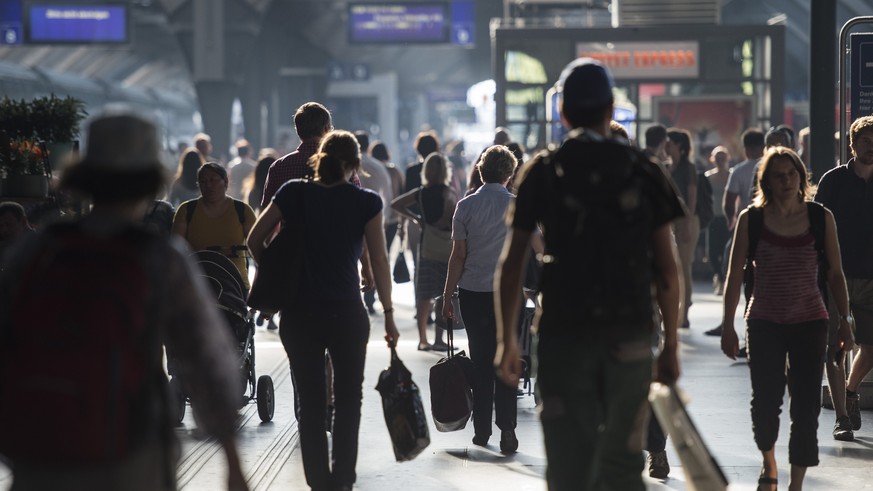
<point>497,164</point>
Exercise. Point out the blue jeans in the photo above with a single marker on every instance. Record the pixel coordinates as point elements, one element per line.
<point>594,411</point>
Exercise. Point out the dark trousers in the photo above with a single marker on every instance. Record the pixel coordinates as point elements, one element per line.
<point>390,232</point>
<point>804,345</point>
<point>477,310</point>
<point>343,331</point>
<point>594,409</point>
<point>718,237</point>
<point>656,440</point>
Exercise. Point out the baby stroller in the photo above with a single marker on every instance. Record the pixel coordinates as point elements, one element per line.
<point>230,295</point>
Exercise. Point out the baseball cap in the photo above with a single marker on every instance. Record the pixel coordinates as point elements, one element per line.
<point>585,83</point>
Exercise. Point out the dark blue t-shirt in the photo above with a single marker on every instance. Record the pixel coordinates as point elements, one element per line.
<point>333,234</point>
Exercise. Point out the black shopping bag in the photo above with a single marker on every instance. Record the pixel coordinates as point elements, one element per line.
<point>702,472</point>
<point>451,399</point>
<point>401,270</point>
<point>403,410</point>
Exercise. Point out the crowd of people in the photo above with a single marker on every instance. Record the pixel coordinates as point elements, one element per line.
<point>614,228</point>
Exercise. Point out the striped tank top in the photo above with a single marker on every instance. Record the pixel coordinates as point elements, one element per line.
<point>786,280</point>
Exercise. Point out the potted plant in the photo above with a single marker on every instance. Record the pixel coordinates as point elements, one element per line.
<point>24,125</point>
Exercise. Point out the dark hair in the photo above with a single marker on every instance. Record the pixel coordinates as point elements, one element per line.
<point>763,193</point>
<point>213,167</point>
<point>683,139</point>
<point>497,164</point>
<point>189,164</point>
<point>426,143</point>
<point>517,151</point>
<point>311,120</point>
<point>655,134</point>
<point>363,139</point>
<point>108,187</point>
<point>782,133</point>
<point>14,209</point>
<point>379,151</point>
<point>579,117</point>
<point>862,124</point>
<point>261,171</point>
<point>339,152</point>
<point>753,138</point>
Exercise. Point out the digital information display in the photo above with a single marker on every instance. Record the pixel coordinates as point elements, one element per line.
<point>438,22</point>
<point>78,24</point>
<point>11,22</point>
<point>861,75</point>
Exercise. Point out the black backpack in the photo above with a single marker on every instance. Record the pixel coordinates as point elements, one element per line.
<point>817,227</point>
<point>704,208</point>
<point>602,264</point>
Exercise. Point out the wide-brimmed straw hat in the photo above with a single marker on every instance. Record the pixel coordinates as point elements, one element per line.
<point>120,143</point>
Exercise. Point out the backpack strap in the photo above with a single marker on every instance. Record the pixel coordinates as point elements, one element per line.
<point>818,226</point>
<point>190,206</point>
<point>756,225</point>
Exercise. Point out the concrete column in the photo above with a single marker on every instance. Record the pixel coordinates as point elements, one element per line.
<point>216,99</point>
<point>822,84</point>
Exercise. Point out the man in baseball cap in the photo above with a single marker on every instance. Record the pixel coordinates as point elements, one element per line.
<point>605,211</point>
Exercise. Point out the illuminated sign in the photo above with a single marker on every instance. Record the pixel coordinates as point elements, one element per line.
<point>11,23</point>
<point>653,60</point>
<point>413,22</point>
<point>89,23</point>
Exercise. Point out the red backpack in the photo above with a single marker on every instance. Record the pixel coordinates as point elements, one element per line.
<point>80,361</point>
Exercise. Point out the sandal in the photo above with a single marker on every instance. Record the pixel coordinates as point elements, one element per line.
<point>768,482</point>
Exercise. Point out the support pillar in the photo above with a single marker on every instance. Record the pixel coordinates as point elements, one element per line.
<point>822,85</point>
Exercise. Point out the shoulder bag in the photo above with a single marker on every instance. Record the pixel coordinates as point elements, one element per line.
<point>279,277</point>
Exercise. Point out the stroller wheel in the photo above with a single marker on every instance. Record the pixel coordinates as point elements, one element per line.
<point>177,400</point>
<point>266,398</point>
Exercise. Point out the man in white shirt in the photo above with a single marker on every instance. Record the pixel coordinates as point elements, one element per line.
<point>375,177</point>
<point>240,168</point>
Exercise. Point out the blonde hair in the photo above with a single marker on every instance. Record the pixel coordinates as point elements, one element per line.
<point>435,170</point>
<point>763,193</point>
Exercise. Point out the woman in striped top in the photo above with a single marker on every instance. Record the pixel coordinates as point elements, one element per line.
<point>786,315</point>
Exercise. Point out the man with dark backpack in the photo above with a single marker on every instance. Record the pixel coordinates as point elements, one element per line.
<point>606,213</point>
<point>85,308</point>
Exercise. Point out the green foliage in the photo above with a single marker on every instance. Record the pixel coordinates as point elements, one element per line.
<point>23,124</point>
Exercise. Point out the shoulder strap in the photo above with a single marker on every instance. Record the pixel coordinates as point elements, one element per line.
<point>756,224</point>
<point>191,205</point>
<point>817,224</point>
<point>240,211</point>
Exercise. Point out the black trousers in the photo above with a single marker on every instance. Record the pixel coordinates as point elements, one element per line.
<point>343,331</point>
<point>477,310</point>
<point>718,237</point>
<point>804,346</point>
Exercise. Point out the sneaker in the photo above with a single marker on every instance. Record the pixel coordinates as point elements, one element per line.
<point>843,430</point>
<point>853,407</point>
<point>659,468</point>
<point>508,442</point>
<point>715,331</point>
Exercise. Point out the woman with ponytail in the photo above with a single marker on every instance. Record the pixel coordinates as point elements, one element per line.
<point>337,217</point>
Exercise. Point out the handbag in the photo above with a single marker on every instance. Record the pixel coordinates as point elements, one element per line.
<point>436,244</point>
<point>451,397</point>
<point>279,277</point>
<point>457,323</point>
<point>403,410</point>
<point>401,270</point>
